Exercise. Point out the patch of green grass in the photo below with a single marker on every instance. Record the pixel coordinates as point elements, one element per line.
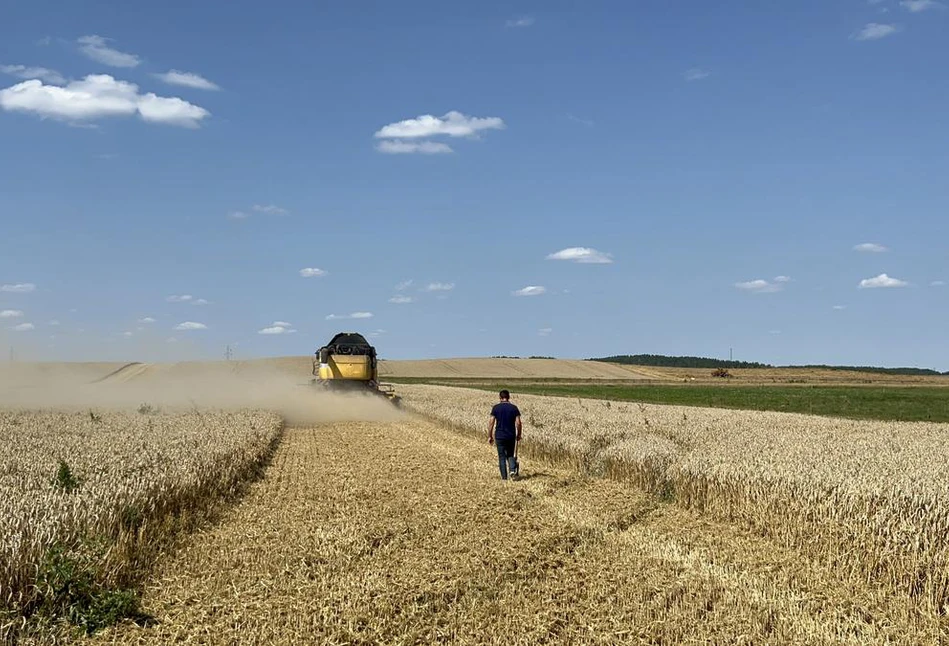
<point>890,403</point>
<point>71,590</point>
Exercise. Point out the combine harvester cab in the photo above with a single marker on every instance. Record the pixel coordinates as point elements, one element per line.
<point>348,363</point>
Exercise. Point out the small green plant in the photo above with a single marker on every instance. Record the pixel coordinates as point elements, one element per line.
<point>70,590</point>
<point>147,409</point>
<point>132,517</point>
<point>534,422</point>
<point>64,480</point>
<point>667,492</point>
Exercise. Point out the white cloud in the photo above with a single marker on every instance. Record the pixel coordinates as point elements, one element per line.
<point>26,72</point>
<point>411,147</point>
<point>127,334</point>
<point>696,74</point>
<point>875,31</point>
<point>761,286</point>
<point>53,322</point>
<point>10,314</point>
<point>147,319</point>
<point>187,79</point>
<point>199,301</point>
<point>310,272</point>
<point>439,287</point>
<point>170,110</point>
<point>99,96</point>
<point>18,288</point>
<point>183,298</point>
<point>870,247</point>
<point>401,299</point>
<point>24,327</point>
<point>586,122</point>
<point>545,331</point>
<point>277,329</point>
<point>774,332</point>
<point>354,315</point>
<point>523,21</point>
<point>840,307</point>
<point>269,209</point>
<point>938,283</point>
<point>882,281</point>
<point>405,284</point>
<point>782,279</point>
<point>191,325</point>
<point>530,290</point>
<point>453,124</point>
<point>915,6</point>
<point>581,255</point>
<point>95,48</point>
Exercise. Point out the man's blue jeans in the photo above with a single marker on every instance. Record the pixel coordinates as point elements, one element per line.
<point>506,460</point>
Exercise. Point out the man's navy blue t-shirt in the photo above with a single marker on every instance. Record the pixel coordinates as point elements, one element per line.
<point>505,413</point>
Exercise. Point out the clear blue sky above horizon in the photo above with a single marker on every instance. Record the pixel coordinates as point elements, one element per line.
<point>554,178</point>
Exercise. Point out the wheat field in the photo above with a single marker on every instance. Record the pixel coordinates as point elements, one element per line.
<point>633,524</point>
<point>870,499</point>
<point>402,533</point>
<point>87,499</point>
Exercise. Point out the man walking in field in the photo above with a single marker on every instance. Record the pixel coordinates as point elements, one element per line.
<point>504,431</point>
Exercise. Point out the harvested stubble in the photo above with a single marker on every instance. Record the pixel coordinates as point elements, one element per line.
<point>402,533</point>
<point>128,482</point>
<point>870,499</point>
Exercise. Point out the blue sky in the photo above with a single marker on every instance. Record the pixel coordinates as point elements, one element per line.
<point>677,177</point>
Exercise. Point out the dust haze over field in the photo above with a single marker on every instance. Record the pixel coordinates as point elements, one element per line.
<point>184,386</point>
<point>278,384</point>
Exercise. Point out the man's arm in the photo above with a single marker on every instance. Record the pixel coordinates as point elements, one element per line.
<point>517,425</point>
<point>491,429</point>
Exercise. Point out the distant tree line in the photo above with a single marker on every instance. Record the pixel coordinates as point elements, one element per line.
<point>665,361</point>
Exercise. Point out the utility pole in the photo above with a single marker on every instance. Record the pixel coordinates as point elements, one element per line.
<point>228,354</point>
<point>729,354</point>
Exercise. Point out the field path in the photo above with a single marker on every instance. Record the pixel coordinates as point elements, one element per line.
<point>402,533</point>
<point>126,373</point>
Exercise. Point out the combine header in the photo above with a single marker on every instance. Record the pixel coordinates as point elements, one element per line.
<point>348,363</point>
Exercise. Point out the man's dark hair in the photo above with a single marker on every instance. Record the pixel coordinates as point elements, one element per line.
<point>504,394</point>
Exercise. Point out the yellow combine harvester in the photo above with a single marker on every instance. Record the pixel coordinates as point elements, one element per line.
<point>349,363</point>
